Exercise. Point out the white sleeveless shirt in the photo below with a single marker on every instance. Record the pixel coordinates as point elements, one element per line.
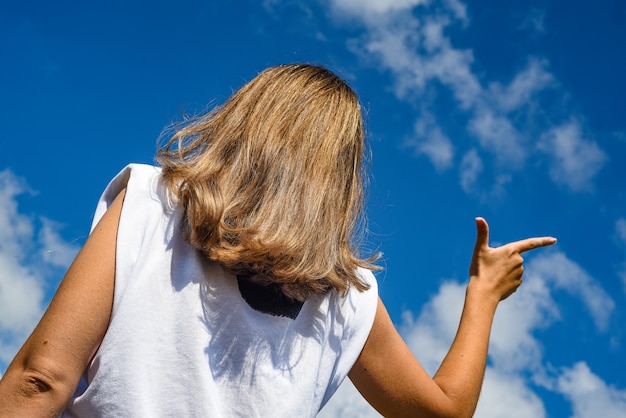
<point>183,341</point>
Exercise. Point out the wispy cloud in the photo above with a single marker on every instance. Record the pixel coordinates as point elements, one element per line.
<point>54,250</point>
<point>516,355</point>
<point>589,395</point>
<point>25,260</point>
<point>535,21</point>
<point>528,82</point>
<point>508,395</point>
<point>470,169</point>
<point>497,134</point>
<point>431,141</point>
<point>514,348</point>
<point>575,160</point>
<point>410,39</point>
<point>21,292</point>
<point>564,274</point>
<point>347,402</point>
<point>369,10</point>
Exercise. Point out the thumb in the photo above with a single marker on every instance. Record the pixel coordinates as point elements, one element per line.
<point>482,234</point>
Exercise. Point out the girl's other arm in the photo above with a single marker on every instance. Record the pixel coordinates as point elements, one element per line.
<point>44,374</point>
<point>392,380</point>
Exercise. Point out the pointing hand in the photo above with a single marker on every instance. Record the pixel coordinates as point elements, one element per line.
<point>498,271</point>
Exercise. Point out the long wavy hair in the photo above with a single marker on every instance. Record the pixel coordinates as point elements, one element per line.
<point>272,181</point>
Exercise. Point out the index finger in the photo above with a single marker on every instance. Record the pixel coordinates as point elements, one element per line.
<point>532,243</point>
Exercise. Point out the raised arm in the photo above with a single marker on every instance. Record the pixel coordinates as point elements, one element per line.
<point>45,372</point>
<point>392,380</point>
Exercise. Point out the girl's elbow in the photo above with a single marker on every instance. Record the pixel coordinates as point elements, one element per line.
<point>38,391</point>
<point>32,384</point>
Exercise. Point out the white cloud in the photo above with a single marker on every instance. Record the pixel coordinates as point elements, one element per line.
<point>513,347</point>
<point>413,44</point>
<point>575,159</point>
<point>54,249</point>
<point>432,33</point>
<point>564,274</point>
<point>432,142</point>
<point>470,169</point>
<point>508,395</point>
<point>24,261</point>
<point>491,124</point>
<point>497,134</point>
<point>21,295</point>
<point>20,287</point>
<point>15,228</point>
<point>372,9</point>
<point>416,49</point>
<point>458,9</point>
<point>452,67</point>
<point>589,395</point>
<point>535,21</point>
<point>393,46</point>
<point>499,184</point>
<point>347,402</point>
<point>526,83</point>
<point>430,335</point>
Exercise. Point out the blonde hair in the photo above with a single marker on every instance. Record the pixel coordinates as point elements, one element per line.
<point>272,181</point>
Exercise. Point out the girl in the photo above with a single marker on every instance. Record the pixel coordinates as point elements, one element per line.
<point>227,282</point>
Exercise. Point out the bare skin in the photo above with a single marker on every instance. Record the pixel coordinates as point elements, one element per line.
<point>44,374</point>
<point>392,380</point>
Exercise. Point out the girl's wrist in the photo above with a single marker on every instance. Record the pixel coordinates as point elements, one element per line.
<point>485,296</point>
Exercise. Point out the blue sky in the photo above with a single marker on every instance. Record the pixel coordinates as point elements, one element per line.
<point>509,110</point>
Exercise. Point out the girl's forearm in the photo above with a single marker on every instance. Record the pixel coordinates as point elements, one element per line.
<point>461,373</point>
